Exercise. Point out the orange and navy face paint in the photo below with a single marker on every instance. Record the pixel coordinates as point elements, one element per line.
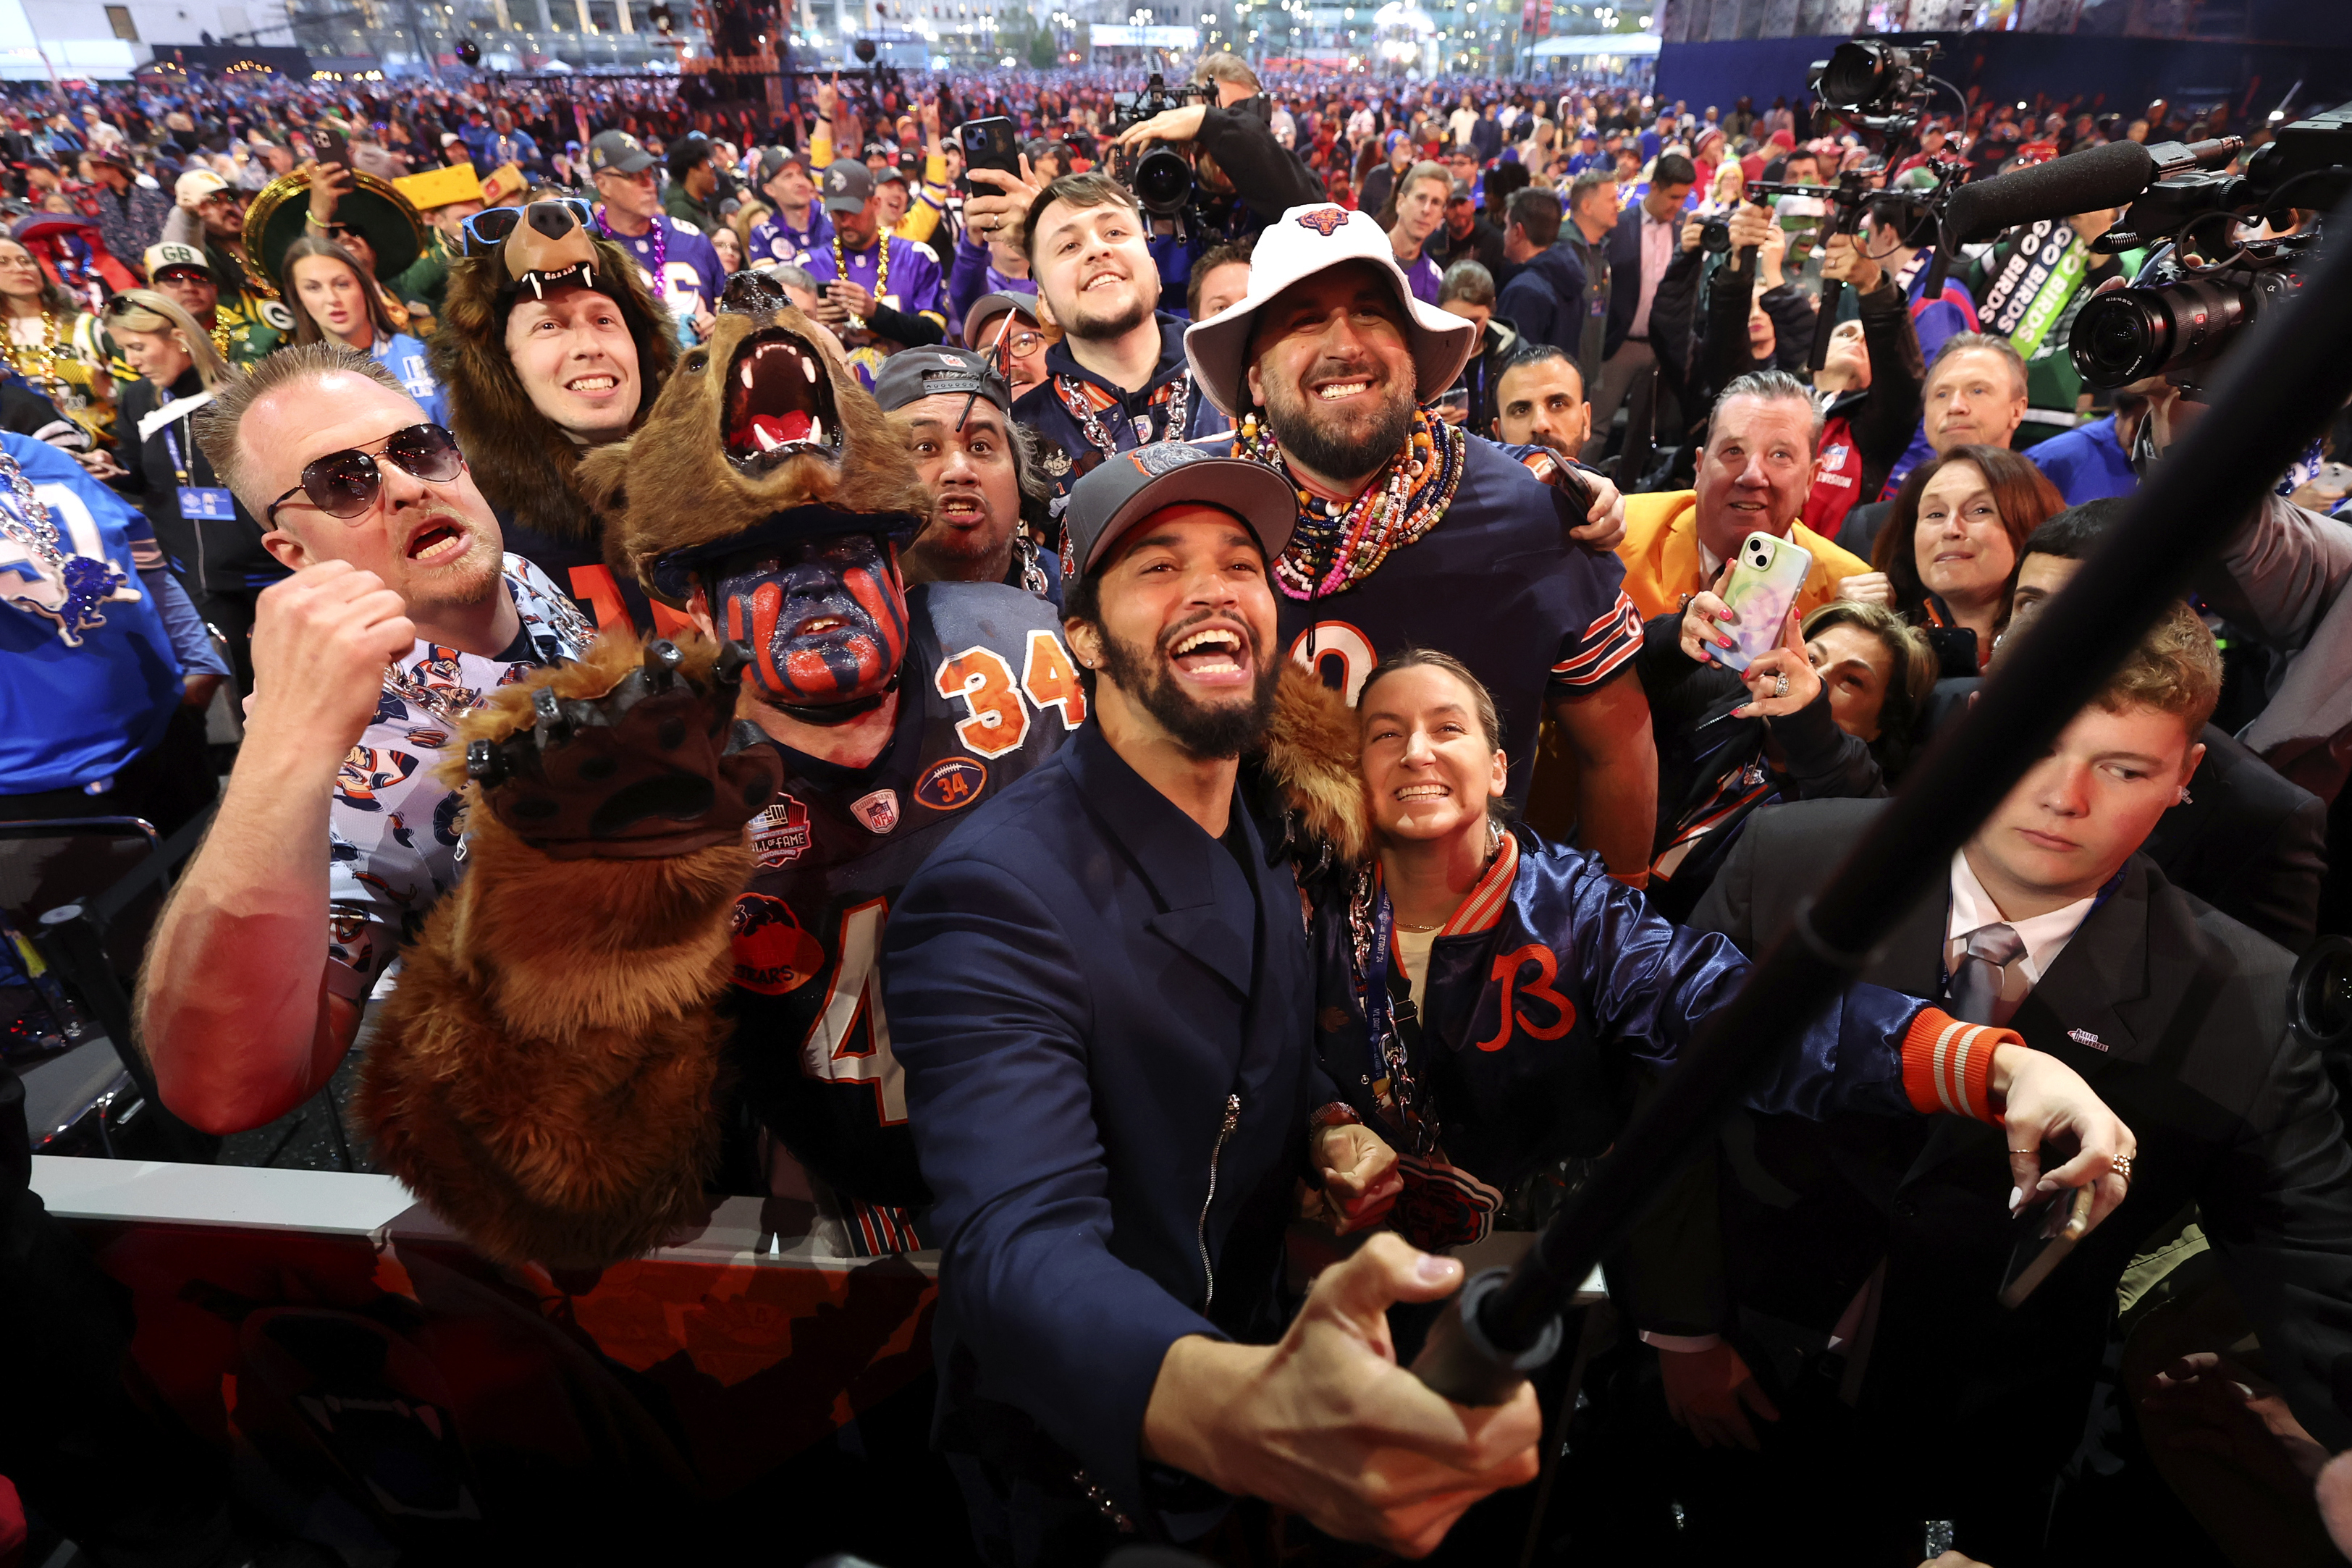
<point>826,619</point>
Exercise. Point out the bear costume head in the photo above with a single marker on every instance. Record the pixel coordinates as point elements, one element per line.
<point>770,482</point>
<point>521,459</point>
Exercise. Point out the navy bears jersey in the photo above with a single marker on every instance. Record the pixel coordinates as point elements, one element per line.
<point>986,692</point>
<point>1497,582</point>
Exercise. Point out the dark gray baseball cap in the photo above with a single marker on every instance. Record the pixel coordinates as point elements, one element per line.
<point>848,186</point>
<point>1124,489</point>
<point>618,152</point>
<point>913,374</point>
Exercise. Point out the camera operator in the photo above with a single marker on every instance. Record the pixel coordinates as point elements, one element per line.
<point>1245,178</point>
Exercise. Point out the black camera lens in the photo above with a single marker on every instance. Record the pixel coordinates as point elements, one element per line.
<point>1715,236</point>
<point>2129,334</point>
<point>1857,73</point>
<point>1163,182</point>
<point>2319,992</point>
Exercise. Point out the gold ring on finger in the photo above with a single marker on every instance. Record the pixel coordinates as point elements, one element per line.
<point>2122,1168</point>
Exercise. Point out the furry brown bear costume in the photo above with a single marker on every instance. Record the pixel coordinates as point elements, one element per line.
<point>543,1076</point>
<point>523,464</point>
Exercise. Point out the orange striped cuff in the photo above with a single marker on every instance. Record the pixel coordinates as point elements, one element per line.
<point>1945,1064</point>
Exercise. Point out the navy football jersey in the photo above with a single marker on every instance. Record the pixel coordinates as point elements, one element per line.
<point>987,691</point>
<point>1497,582</point>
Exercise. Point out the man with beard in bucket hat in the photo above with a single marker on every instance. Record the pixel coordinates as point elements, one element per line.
<point>1327,362</point>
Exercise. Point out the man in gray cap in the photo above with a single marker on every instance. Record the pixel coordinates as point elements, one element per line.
<point>1101,995</point>
<point>879,292</point>
<point>978,466</point>
<point>678,263</point>
<point>799,226</point>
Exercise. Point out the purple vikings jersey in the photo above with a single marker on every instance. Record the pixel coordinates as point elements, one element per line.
<point>987,691</point>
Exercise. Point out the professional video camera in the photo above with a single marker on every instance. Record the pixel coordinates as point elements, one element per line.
<point>1159,175</point>
<point>1881,91</point>
<point>2203,283</point>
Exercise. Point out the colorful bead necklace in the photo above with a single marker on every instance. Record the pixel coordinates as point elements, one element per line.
<point>1332,552</point>
<point>661,246</point>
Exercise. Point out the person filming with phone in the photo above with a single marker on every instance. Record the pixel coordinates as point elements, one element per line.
<point>1753,477</point>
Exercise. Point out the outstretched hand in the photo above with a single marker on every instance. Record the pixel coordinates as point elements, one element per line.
<point>1326,1423</point>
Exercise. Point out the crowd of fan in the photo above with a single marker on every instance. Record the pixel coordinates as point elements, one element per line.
<point>1945,471</point>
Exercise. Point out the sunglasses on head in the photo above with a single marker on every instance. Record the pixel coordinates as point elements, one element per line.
<point>345,484</point>
<point>488,229</point>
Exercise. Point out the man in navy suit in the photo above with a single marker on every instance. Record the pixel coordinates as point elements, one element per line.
<point>1639,250</point>
<point>1100,989</point>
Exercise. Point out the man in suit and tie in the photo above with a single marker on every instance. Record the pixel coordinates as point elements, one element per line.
<point>1865,1259</point>
<point>1639,250</point>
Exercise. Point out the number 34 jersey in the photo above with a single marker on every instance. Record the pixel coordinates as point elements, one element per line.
<point>987,692</point>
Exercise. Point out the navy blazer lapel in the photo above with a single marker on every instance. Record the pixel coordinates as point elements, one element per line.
<point>1190,875</point>
<point>2105,970</point>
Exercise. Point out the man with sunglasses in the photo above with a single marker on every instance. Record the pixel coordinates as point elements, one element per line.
<point>402,612</point>
<point>242,328</point>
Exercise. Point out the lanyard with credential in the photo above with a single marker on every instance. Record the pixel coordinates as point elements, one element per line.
<point>198,503</point>
<point>1389,1017</point>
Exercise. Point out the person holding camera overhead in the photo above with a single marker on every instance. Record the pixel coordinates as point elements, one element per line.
<point>1243,179</point>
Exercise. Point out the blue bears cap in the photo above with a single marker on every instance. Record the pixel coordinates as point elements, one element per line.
<point>1124,489</point>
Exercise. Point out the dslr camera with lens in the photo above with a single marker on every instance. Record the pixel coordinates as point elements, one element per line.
<point>2204,280</point>
<point>1159,175</point>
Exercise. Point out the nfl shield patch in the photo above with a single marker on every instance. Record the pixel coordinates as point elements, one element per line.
<point>878,812</point>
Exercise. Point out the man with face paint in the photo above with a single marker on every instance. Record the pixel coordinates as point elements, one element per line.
<point>894,709</point>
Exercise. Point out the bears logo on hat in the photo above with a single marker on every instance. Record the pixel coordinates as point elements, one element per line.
<point>1325,221</point>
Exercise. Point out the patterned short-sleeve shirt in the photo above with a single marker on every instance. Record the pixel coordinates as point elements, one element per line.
<point>395,833</point>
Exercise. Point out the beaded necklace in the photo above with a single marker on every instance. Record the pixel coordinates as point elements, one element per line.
<point>87,583</point>
<point>881,268</point>
<point>1332,552</point>
<point>33,362</point>
<point>1078,397</point>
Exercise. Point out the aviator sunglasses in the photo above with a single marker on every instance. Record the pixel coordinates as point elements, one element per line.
<point>345,484</point>
<point>488,229</point>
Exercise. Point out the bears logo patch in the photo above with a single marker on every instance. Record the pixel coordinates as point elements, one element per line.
<point>1325,221</point>
<point>780,835</point>
<point>773,951</point>
<point>952,783</point>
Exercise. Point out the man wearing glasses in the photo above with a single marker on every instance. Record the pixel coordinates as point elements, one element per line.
<point>403,610</point>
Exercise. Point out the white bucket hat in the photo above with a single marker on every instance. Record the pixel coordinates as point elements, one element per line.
<point>1303,242</point>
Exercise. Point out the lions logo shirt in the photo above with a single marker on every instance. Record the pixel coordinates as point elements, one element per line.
<point>987,691</point>
<point>393,829</point>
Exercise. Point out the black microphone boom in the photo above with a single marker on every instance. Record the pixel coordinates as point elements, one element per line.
<point>2089,181</point>
<point>2278,391</point>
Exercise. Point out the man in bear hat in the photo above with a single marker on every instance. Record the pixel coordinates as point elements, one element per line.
<point>551,346</point>
<point>852,718</point>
